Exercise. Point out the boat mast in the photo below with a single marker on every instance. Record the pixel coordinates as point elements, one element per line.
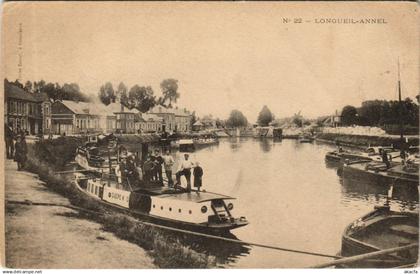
<point>400,105</point>
<point>400,118</point>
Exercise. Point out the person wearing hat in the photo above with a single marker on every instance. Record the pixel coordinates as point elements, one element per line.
<point>158,167</point>
<point>168,163</point>
<point>20,151</point>
<point>9,135</point>
<point>185,170</point>
<point>123,169</point>
<point>148,169</point>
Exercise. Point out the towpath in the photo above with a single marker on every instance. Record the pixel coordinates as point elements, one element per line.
<point>54,237</point>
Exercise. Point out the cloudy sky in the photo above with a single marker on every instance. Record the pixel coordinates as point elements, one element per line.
<point>225,55</point>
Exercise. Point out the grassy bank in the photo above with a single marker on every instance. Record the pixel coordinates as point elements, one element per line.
<point>364,141</point>
<point>167,249</point>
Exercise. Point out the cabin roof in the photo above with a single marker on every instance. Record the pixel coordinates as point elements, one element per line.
<point>196,197</point>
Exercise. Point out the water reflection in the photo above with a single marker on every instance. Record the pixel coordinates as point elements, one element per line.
<point>285,189</point>
<point>265,144</point>
<point>225,253</point>
<point>403,196</point>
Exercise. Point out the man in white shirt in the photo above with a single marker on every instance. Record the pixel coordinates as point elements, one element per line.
<point>168,163</point>
<point>185,170</point>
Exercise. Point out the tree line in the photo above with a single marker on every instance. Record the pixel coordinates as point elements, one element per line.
<point>238,119</point>
<point>140,97</point>
<point>54,91</point>
<point>381,113</point>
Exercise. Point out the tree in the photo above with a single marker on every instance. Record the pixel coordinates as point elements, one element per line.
<point>18,84</point>
<point>28,86</point>
<point>50,90</point>
<point>107,94</point>
<point>38,86</point>
<point>122,94</point>
<point>297,119</point>
<point>220,123</point>
<point>141,98</point>
<point>193,119</point>
<point>237,119</point>
<point>265,116</point>
<point>169,89</point>
<point>349,115</point>
<point>72,92</point>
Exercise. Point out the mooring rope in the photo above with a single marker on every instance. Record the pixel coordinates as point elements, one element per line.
<point>185,231</point>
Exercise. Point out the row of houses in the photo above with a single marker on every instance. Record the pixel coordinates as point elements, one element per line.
<point>71,117</point>
<point>36,114</point>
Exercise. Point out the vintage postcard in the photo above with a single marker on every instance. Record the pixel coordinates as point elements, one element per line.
<point>144,135</point>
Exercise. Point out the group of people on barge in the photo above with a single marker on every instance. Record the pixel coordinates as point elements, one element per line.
<point>16,147</point>
<point>130,171</point>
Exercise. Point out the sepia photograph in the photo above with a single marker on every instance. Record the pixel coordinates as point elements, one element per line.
<point>210,135</point>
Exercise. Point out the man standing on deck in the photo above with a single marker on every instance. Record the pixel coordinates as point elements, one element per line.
<point>158,167</point>
<point>185,170</point>
<point>148,169</point>
<point>168,163</point>
<point>385,158</point>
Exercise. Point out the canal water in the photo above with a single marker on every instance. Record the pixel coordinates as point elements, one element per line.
<point>291,198</point>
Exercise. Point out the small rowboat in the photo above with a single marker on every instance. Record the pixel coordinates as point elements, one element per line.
<point>379,230</point>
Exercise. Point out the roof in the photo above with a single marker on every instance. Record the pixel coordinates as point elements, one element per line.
<point>196,197</point>
<point>175,111</point>
<point>151,117</point>
<point>41,97</point>
<point>95,108</point>
<point>198,123</point>
<point>16,92</point>
<point>116,108</point>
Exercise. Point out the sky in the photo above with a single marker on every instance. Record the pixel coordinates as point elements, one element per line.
<point>224,55</point>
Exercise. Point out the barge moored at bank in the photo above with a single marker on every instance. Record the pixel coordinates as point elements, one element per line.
<point>395,173</point>
<point>204,212</point>
<point>369,154</point>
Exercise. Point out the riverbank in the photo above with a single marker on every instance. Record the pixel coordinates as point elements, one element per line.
<point>166,249</point>
<point>363,140</point>
<point>55,237</point>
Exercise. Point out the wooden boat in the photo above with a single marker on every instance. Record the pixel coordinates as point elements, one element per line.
<point>379,230</point>
<point>196,211</point>
<point>186,145</point>
<point>371,154</point>
<point>378,172</point>
<point>97,154</point>
<point>305,139</point>
<point>205,140</point>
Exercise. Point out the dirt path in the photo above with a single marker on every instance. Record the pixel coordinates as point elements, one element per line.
<point>53,237</point>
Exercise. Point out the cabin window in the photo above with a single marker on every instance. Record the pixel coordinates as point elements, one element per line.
<point>190,212</point>
<point>179,210</point>
<point>154,206</point>
<point>170,209</point>
<point>161,208</point>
